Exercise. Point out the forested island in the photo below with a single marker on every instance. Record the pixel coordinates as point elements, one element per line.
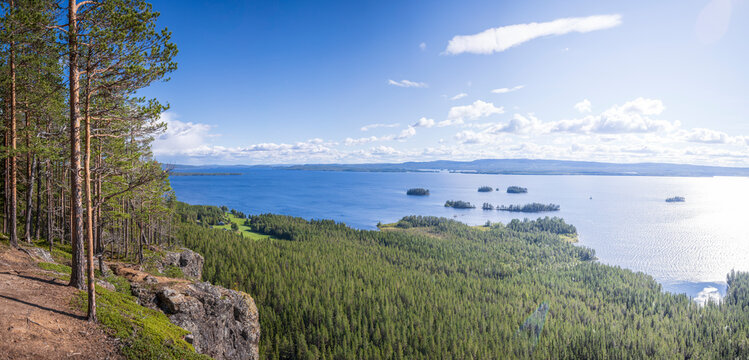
<point>516,190</point>
<point>418,192</point>
<point>486,189</point>
<point>676,199</point>
<point>176,173</point>
<point>529,208</point>
<point>459,204</point>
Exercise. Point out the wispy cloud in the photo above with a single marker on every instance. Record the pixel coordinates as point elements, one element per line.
<point>403,135</point>
<point>459,96</point>
<point>423,46</point>
<point>374,126</point>
<point>504,37</point>
<point>506,90</point>
<point>407,83</point>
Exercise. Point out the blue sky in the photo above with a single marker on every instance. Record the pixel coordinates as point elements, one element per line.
<point>309,82</point>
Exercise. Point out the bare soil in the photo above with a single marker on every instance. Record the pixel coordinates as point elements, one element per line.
<point>37,320</point>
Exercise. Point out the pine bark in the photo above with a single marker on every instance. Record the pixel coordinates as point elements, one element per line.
<point>76,206</point>
<point>89,209</point>
<point>12,208</point>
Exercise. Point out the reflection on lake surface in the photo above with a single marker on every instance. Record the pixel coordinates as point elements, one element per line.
<point>688,247</point>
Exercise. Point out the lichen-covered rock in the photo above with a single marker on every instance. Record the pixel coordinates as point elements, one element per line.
<point>224,323</point>
<point>190,262</point>
<point>40,254</point>
<point>106,285</point>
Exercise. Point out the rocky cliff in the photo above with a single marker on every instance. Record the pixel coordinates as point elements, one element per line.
<point>224,323</point>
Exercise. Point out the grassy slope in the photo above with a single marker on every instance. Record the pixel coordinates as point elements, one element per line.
<point>244,230</point>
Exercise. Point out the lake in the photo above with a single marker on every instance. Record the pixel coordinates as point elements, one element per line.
<point>687,247</point>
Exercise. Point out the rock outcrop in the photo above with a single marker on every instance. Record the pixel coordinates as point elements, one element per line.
<point>190,262</point>
<point>223,323</point>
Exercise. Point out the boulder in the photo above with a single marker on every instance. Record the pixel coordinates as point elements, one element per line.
<point>190,262</point>
<point>40,254</point>
<point>224,323</point>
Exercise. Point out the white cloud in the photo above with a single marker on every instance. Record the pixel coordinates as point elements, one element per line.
<point>424,122</point>
<point>506,90</point>
<point>383,150</point>
<point>502,38</point>
<point>458,114</point>
<point>584,106</point>
<point>519,124</point>
<point>423,46</point>
<point>708,136</point>
<point>632,117</point>
<point>362,140</point>
<point>179,136</point>
<point>403,135</point>
<point>472,137</point>
<point>407,83</point>
<point>459,96</point>
<point>374,126</point>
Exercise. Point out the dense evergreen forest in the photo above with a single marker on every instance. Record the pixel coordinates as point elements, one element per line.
<point>530,208</point>
<point>76,160</point>
<point>436,288</point>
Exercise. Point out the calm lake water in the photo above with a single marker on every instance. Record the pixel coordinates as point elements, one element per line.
<point>688,247</point>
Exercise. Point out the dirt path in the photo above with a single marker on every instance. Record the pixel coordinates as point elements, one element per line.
<point>36,319</point>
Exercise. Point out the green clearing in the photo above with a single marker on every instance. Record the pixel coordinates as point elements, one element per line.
<point>246,231</point>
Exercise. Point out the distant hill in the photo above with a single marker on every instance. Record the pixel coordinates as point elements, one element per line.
<point>534,167</point>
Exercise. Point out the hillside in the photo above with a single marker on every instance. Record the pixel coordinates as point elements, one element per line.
<point>436,288</point>
<point>536,167</point>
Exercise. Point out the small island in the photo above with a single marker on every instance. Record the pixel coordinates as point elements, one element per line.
<point>175,173</point>
<point>487,206</point>
<point>418,192</point>
<point>486,189</point>
<point>459,204</point>
<point>530,208</point>
<point>516,190</point>
<point>676,199</point>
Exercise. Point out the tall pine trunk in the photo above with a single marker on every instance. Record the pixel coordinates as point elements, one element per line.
<point>89,210</point>
<point>12,208</point>
<point>30,197</point>
<point>76,206</point>
<point>50,206</point>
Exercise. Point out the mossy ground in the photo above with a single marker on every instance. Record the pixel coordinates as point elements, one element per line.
<point>146,333</point>
<point>246,231</point>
